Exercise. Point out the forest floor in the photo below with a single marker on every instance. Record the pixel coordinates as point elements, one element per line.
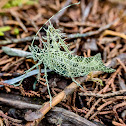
<point>91,27</point>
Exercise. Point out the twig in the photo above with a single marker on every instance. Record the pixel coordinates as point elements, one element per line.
<point>122,64</point>
<point>73,24</point>
<point>106,40</point>
<point>121,92</point>
<point>105,112</point>
<point>84,110</point>
<point>9,74</point>
<point>92,108</point>
<point>28,93</point>
<point>11,65</point>
<point>105,104</point>
<point>116,114</point>
<point>58,114</point>
<point>71,36</point>
<point>93,115</point>
<point>26,39</point>
<point>58,15</point>
<point>109,32</point>
<point>35,26</point>
<point>9,118</point>
<point>14,13</point>
<point>86,11</point>
<point>95,7</point>
<point>111,80</point>
<point>15,52</point>
<point>114,61</point>
<point>19,104</point>
<point>117,124</point>
<point>6,61</point>
<point>92,98</point>
<point>7,85</point>
<point>30,38</point>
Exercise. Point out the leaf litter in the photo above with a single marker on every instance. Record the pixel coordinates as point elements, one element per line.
<point>90,22</point>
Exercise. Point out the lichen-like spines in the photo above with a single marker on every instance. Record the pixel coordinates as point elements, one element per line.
<point>64,62</point>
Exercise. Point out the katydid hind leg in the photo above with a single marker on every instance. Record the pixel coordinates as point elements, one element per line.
<point>26,72</point>
<point>48,85</point>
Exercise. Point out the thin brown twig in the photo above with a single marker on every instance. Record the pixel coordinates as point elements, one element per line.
<point>105,112</point>
<point>92,108</point>
<point>71,36</point>
<point>79,110</point>
<point>92,98</point>
<point>74,24</point>
<point>111,80</point>
<point>19,104</point>
<point>58,15</point>
<point>121,92</point>
<point>117,124</point>
<point>122,64</point>
<point>26,39</point>
<point>105,104</point>
<point>29,93</point>
<point>14,13</point>
<point>8,85</point>
<point>9,118</point>
<point>6,61</point>
<point>9,74</point>
<point>116,114</point>
<point>19,60</point>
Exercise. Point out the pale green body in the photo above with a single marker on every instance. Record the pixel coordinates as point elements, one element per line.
<point>67,64</point>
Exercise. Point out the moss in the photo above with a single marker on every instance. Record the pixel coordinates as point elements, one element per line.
<point>13,3</point>
<point>16,31</point>
<point>4,29</point>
